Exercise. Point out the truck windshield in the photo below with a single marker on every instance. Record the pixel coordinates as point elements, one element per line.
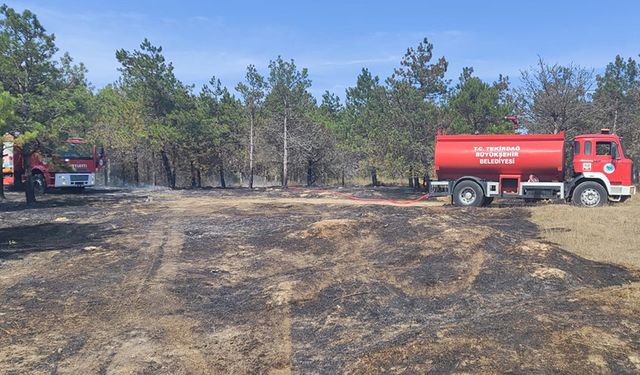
<point>75,151</point>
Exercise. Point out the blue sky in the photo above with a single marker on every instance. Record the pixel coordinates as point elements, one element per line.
<point>335,39</point>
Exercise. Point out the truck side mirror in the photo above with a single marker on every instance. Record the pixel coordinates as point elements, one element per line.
<point>614,151</point>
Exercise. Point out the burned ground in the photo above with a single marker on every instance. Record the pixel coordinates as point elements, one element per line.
<point>300,282</point>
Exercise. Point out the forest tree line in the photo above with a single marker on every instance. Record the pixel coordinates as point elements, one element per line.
<point>158,130</point>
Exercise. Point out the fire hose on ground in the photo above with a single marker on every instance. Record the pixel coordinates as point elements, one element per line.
<point>404,202</point>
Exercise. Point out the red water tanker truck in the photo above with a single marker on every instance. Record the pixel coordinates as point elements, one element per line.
<point>475,169</point>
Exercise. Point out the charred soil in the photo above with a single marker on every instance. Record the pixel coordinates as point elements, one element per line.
<point>236,281</point>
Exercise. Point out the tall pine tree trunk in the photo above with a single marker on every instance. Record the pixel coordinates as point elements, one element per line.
<point>154,180</point>
<point>193,174</point>
<point>123,174</point>
<point>309,173</point>
<point>107,172</point>
<point>198,178</point>
<point>223,183</point>
<point>411,177</point>
<point>426,182</point>
<point>374,177</point>
<point>147,170</point>
<point>284,153</point>
<point>136,170</point>
<point>173,164</point>
<point>251,150</point>
<point>2,196</point>
<point>167,169</point>
<point>615,119</point>
<point>30,193</point>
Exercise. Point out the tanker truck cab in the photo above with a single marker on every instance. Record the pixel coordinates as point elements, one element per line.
<point>599,159</point>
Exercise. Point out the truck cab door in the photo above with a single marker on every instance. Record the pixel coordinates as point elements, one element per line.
<point>608,160</point>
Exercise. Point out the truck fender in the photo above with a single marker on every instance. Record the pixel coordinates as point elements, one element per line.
<point>483,184</point>
<point>598,177</point>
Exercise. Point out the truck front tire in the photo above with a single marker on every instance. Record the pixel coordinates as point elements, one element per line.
<point>468,194</point>
<point>39,185</point>
<point>589,194</point>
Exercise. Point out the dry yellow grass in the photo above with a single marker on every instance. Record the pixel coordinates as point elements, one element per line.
<point>608,234</point>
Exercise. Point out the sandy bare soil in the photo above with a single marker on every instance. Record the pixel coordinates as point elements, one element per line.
<point>202,282</point>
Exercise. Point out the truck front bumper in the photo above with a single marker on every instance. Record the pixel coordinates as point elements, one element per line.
<point>75,179</point>
<point>623,190</point>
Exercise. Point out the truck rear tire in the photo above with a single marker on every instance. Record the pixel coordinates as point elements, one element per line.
<point>589,194</point>
<point>468,194</point>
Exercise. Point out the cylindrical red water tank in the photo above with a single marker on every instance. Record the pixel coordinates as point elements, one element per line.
<point>489,156</point>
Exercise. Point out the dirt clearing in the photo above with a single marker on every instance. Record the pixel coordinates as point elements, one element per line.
<point>186,282</point>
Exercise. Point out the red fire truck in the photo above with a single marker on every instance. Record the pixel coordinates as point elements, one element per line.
<point>73,164</point>
<point>475,169</point>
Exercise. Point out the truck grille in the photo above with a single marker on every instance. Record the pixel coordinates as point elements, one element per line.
<point>79,178</point>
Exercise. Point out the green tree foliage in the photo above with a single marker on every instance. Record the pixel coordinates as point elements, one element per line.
<point>7,106</point>
<point>227,127</point>
<point>417,70</point>
<point>51,97</point>
<point>314,141</point>
<point>617,102</point>
<point>252,92</point>
<point>413,114</point>
<point>287,100</point>
<point>331,105</point>
<point>120,128</point>
<point>364,121</point>
<point>477,107</point>
<point>344,159</point>
<point>335,158</point>
<point>148,78</point>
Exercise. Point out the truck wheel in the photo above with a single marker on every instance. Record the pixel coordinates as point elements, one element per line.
<point>589,194</point>
<point>468,194</point>
<point>39,186</point>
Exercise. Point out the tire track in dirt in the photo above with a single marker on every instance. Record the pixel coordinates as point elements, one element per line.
<point>156,307</point>
<point>142,329</point>
<point>281,298</point>
<point>262,346</point>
